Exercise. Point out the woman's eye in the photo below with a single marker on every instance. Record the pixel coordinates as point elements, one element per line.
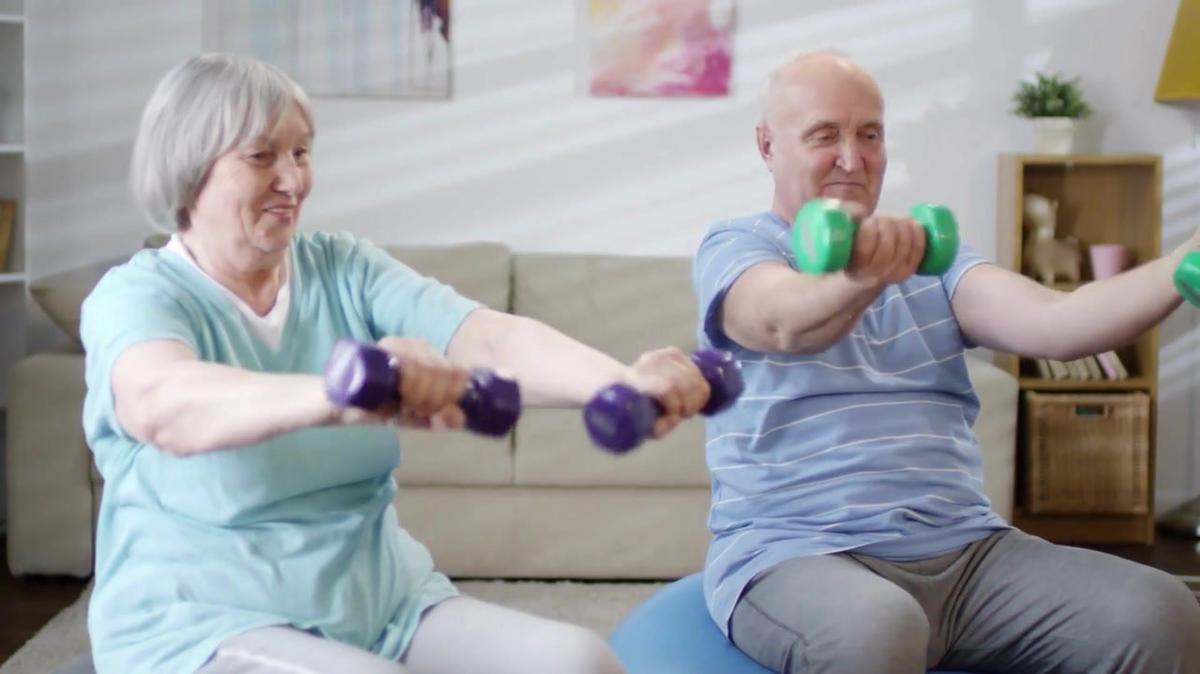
<point>260,156</point>
<point>301,153</point>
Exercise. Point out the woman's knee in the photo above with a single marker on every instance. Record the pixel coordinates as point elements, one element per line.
<point>577,649</point>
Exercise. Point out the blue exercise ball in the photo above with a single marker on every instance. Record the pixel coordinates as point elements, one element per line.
<point>672,633</point>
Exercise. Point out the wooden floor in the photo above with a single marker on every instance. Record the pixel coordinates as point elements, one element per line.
<point>26,604</point>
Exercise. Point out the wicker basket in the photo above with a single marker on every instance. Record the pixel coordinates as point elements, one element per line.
<point>1087,453</point>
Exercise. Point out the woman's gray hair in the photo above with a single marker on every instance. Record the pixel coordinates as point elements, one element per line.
<point>201,109</point>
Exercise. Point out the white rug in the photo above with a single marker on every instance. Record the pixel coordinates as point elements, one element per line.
<point>597,606</point>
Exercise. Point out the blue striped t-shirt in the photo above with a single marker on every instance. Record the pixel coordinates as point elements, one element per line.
<point>865,446</point>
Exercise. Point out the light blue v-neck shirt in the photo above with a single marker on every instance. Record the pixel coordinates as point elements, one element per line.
<point>297,530</point>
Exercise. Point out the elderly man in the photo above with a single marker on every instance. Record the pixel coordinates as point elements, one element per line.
<point>851,532</point>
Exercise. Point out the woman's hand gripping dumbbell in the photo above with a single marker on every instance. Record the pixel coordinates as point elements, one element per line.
<point>619,418</point>
<point>823,237</point>
<point>366,377</point>
<point>1187,277</point>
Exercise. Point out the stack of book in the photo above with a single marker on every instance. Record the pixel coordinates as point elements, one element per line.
<point>1105,365</point>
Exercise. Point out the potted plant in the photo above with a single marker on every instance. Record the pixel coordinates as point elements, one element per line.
<point>1055,105</point>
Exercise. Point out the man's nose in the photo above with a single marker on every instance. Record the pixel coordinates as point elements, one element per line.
<point>849,155</point>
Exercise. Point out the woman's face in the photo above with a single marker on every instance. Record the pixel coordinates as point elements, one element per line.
<point>250,202</point>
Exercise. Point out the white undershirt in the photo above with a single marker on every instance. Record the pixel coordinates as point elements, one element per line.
<point>267,328</point>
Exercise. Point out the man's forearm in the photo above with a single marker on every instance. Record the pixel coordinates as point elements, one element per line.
<point>816,319</point>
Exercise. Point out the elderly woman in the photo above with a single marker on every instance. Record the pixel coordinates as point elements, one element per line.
<point>247,522</point>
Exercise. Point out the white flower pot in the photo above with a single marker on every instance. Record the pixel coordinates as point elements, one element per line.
<point>1054,135</point>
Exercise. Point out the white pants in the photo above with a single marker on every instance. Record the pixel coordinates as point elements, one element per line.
<point>458,636</point>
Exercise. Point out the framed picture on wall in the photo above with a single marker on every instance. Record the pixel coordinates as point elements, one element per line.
<point>363,48</point>
<point>660,47</point>
<point>8,217</point>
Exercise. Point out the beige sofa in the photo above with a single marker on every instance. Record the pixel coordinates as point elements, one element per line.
<point>542,503</point>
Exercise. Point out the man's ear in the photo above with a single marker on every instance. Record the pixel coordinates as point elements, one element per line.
<point>765,149</point>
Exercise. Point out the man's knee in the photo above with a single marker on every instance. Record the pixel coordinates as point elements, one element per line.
<point>1160,618</point>
<point>889,634</point>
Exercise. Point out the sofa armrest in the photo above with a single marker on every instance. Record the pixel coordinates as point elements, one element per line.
<point>49,468</point>
<point>996,430</point>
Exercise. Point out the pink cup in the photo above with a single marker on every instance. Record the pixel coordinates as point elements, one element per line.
<point>1108,259</point>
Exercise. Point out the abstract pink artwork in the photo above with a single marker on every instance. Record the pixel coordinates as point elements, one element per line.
<point>660,47</point>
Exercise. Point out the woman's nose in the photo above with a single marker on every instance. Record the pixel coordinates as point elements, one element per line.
<point>288,176</point>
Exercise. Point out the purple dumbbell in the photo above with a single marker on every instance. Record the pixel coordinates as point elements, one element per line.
<point>619,417</point>
<point>362,375</point>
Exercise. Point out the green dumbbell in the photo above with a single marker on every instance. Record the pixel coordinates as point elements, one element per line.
<point>823,237</point>
<point>1187,277</point>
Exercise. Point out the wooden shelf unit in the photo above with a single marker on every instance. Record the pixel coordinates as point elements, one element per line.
<point>1102,199</point>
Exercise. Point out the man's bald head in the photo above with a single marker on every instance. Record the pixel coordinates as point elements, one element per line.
<point>808,69</point>
<point>821,133</point>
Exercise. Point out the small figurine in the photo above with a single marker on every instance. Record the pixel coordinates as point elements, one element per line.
<point>1045,257</point>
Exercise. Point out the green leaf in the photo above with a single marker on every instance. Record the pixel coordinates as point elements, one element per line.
<point>1050,96</point>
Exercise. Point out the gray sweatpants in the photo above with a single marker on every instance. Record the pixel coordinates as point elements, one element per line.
<point>1010,602</point>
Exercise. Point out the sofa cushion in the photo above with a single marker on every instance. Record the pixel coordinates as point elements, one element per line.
<point>453,458</point>
<point>483,272</point>
<point>553,450</point>
<point>61,295</point>
<point>622,306</point>
<point>51,477</point>
<point>995,428</point>
<point>480,271</point>
<point>559,532</point>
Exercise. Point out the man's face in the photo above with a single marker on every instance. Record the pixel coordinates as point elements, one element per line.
<point>823,137</point>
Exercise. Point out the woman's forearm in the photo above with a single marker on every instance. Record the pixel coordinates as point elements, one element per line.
<point>194,407</point>
<point>552,369</point>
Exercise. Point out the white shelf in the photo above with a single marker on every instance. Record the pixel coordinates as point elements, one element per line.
<point>16,19</point>
<point>11,148</point>
<point>12,277</point>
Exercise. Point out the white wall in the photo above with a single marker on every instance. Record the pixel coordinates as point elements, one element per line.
<point>521,156</point>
